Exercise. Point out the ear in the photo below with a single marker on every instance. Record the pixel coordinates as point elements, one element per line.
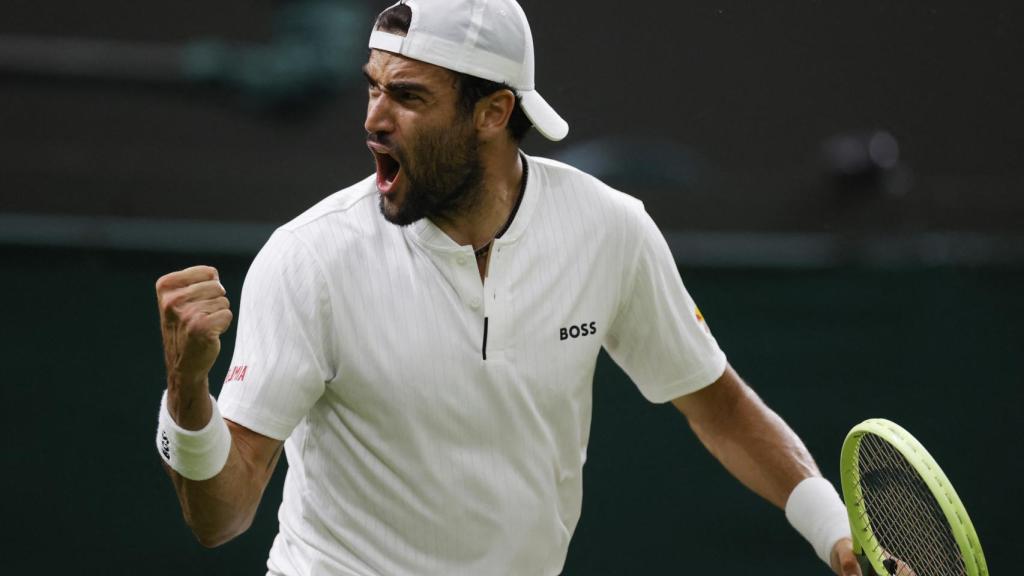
<point>492,113</point>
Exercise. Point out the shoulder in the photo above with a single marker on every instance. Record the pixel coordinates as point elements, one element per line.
<point>561,178</point>
<point>312,239</point>
<point>346,207</point>
<point>565,188</point>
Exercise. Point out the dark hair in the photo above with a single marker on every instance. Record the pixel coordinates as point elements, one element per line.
<point>471,88</point>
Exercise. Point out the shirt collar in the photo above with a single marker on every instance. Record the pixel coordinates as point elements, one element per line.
<point>428,235</point>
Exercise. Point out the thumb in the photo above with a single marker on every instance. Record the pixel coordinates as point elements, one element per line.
<point>844,561</point>
<point>850,567</point>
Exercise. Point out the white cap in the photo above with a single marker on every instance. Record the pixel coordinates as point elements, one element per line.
<point>489,39</point>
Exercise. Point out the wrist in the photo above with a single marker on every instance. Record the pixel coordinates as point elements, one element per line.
<point>187,383</point>
<point>816,511</point>
<point>196,454</point>
<point>188,401</point>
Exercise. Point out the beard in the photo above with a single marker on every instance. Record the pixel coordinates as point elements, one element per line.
<point>442,172</point>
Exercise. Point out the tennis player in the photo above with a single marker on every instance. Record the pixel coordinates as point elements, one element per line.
<point>422,344</point>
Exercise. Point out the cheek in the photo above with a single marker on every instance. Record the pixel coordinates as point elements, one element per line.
<point>418,148</point>
<point>429,141</point>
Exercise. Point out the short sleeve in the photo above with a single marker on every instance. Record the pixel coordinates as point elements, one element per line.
<point>659,337</point>
<point>282,358</point>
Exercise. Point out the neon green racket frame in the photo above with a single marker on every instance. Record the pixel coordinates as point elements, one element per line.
<point>864,540</point>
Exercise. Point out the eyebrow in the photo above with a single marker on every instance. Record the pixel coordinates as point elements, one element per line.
<point>399,86</point>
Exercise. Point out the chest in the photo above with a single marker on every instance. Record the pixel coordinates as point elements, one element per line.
<point>422,325</point>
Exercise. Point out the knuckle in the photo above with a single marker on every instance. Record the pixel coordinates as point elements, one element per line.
<point>167,307</point>
<point>195,323</point>
<point>173,301</point>
<point>207,290</point>
<point>163,281</point>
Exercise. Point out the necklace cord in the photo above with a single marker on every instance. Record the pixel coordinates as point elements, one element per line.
<point>486,248</point>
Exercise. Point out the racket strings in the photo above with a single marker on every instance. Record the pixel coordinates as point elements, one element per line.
<point>904,516</point>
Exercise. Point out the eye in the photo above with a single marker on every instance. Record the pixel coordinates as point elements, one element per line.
<point>406,96</point>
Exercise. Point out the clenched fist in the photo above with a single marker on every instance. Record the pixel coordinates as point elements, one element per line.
<point>193,314</point>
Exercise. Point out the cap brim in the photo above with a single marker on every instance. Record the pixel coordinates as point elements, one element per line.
<point>543,116</point>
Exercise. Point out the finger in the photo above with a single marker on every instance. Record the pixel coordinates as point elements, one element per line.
<point>206,290</point>
<point>186,277</point>
<point>198,345</point>
<point>175,303</point>
<point>202,333</point>
<point>850,567</point>
<point>905,568</point>
<point>845,563</point>
<point>218,322</point>
<point>202,328</point>
<point>206,306</point>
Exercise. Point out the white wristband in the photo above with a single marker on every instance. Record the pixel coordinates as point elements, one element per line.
<point>817,512</point>
<point>195,454</point>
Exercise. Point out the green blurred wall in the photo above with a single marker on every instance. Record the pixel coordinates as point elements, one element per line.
<point>938,350</point>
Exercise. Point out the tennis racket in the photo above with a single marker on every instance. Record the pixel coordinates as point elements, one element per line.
<point>905,516</point>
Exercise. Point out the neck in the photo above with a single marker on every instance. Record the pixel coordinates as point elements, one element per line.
<point>502,181</point>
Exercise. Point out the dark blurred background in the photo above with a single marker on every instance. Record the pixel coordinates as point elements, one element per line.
<point>841,183</point>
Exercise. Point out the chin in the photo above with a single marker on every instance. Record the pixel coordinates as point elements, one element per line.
<point>393,213</point>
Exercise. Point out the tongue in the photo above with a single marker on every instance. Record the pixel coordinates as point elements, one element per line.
<point>387,174</point>
<point>383,184</point>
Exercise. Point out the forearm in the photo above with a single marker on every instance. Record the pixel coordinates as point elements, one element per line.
<point>749,439</point>
<point>764,453</point>
<point>223,507</point>
<point>220,507</point>
<point>219,469</point>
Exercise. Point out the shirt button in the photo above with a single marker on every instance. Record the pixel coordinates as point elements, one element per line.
<point>474,303</point>
<point>461,260</point>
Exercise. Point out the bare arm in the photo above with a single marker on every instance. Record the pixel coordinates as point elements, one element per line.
<point>747,437</point>
<point>223,507</point>
<point>756,446</point>
<point>193,315</point>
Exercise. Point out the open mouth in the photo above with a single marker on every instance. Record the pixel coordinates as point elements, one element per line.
<point>388,171</point>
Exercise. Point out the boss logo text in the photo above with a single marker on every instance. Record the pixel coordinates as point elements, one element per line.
<point>585,329</point>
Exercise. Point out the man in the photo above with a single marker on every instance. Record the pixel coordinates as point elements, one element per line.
<point>436,413</point>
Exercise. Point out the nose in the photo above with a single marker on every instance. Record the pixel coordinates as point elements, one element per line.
<point>378,114</point>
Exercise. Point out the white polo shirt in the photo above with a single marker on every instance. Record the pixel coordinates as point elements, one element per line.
<point>437,424</point>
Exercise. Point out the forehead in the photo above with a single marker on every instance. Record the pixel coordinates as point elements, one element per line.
<point>387,68</point>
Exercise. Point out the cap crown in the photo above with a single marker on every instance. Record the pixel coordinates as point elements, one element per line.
<point>488,39</point>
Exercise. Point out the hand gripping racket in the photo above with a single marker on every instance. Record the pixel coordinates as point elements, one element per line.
<point>905,516</point>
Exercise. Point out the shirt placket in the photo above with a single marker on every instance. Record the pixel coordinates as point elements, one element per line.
<point>495,303</point>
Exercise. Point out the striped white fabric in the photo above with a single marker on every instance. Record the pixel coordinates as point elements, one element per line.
<point>437,424</point>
